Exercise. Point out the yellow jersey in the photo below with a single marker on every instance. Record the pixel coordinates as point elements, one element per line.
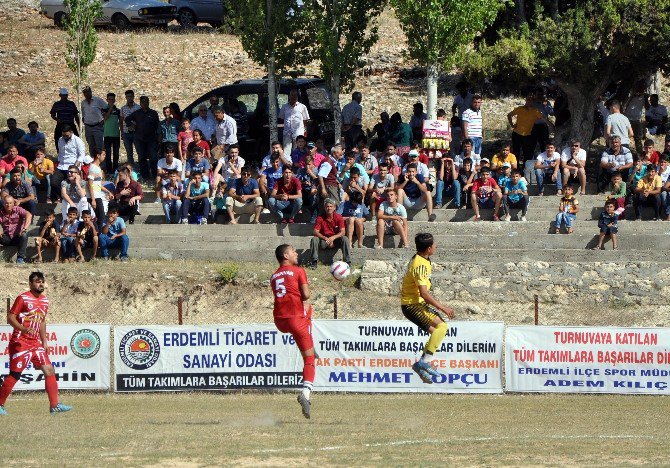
<point>418,274</point>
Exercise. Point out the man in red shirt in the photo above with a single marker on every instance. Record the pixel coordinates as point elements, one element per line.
<point>28,343</point>
<point>486,194</point>
<point>9,162</point>
<point>128,195</point>
<point>291,315</point>
<point>329,233</point>
<point>15,222</point>
<point>286,196</point>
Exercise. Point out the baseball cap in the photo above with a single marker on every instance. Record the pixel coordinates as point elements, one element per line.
<point>413,153</point>
<point>63,92</point>
<point>506,164</point>
<point>485,159</point>
<point>311,144</point>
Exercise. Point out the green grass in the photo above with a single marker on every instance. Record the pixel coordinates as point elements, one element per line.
<point>253,429</point>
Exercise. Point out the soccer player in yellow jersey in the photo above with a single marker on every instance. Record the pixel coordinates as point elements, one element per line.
<point>420,307</point>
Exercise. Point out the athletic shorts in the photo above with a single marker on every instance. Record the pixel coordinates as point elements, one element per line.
<point>421,314</point>
<point>20,354</point>
<point>300,327</point>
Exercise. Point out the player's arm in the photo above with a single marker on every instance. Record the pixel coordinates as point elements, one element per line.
<point>423,291</point>
<point>304,286</point>
<point>43,333</point>
<point>13,320</point>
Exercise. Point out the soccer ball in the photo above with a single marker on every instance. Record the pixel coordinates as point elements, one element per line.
<point>340,270</point>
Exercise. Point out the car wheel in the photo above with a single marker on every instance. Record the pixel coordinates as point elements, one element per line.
<point>120,22</point>
<point>216,24</point>
<point>186,18</point>
<point>59,19</point>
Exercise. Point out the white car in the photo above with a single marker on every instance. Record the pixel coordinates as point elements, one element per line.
<point>120,13</point>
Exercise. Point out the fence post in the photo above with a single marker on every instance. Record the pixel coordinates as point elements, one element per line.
<point>537,309</point>
<point>335,306</point>
<point>180,310</point>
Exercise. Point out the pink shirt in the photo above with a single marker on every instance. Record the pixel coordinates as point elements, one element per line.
<point>7,165</point>
<point>12,223</point>
<point>184,138</point>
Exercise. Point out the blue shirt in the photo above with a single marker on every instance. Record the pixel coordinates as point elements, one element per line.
<point>273,176</point>
<point>195,191</point>
<point>411,189</point>
<point>509,186</point>
<point>247,189</point>
<point>116,227</point>
<point>169,130</point>
<point>203,166</point>
<point>349,210</point>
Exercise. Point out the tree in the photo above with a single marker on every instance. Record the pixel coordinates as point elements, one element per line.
<point>339,35</point>
<point>436,31</point>
<point>82,39</point>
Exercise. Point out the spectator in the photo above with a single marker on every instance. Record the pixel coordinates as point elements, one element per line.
<point>392,160</point>
<point>184,139</point>
<point>421,168</point>
<point>42,169</point>
<point>244,197</point>
<point>412,192</point>
<point>270,176</point>
<point>329,233</point>
<point>73,192</point>
<point>133,174</point>
<point>368,161</point>
<point>69,235</point>
<point>666,148</point>
<point>286,197</point>
<point>515,195</point>
<point>391,219</point>
<point>199,142</point>
<point>64,112</point>
<point>294,116</point>
<point>648,193</point>
<point>96,189</point>
<point>49,236</point>
<point>567,210</point>
<point>317,157</point>
<point>354,212</point>
<point>637,173</point>
<point>14,221</point>
<point>634,109</point>
<point>21,191</point>
<point>198,163</point>
<point>93,119</point>
<point>378,186</point>
<point>664,171</point>
<point>618,124</point>
<point>204,122</point>
<point>505,155</point>
<point>225,129</point>
<point>655,116</point>
<point>87,236</point>
<point>128,131</point>
<point>616,158</point>
<point>649,154</point>
<point>466,177</point>
<point>176,112</point>
<point>380,130</point>
<point>400,134</point>
<point>448,184</point>
<point>70,153</point>
<point>608,225</point>
<point>616,191</point>
<point>10,161</point>
<point>113,235</point>
<point>164,167</point>
<point>169,128</point>
<point>486,194</point>
<point>352,120</point>
<point>171,193</point>
<point>416,121</point>
<point>345,170</point>
<point>13,134</point>
<point>573,164</point>
<point>219,203</point>
<point>299,152</point>
<point>127,195</point>
<point>111,133</point>
<point>196,204</point>
<point>329,185</point>
<point>462,100</point>
<point>354,184</point>
<point>276,150</point>
<point>523,140</point>
<point>229,167</point>
<point>502,175</point>
<point>548,164</point>
<point>540,130</point>
<point>309,180</point>
<point>146,123</point>
<point>31,141</point>
<point>214,100</point>
<point>471,124</point>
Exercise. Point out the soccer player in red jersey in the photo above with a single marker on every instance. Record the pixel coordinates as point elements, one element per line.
<point>29,342</point>
<point>292,315</point>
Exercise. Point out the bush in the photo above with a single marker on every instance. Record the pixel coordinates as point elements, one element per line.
<point>228,272</point>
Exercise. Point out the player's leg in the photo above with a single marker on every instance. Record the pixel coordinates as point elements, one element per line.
<point>41,361</point>
<point>430,321</point>
<point>18,360</point>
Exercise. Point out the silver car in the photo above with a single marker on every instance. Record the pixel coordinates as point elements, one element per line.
<point>192,12</point>
<point>120,13</point>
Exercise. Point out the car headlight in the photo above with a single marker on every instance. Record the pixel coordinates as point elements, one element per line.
<point>143,11</point>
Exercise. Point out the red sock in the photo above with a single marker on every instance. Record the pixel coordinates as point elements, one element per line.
<point>309,369</point>
<point>6,389</point>
<point>51,386</point>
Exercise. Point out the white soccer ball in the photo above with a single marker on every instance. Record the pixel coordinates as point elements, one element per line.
<point>340,270</point>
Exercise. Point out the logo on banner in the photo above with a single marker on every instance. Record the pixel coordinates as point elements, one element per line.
<point>139,349</point>
<point>85,343</point>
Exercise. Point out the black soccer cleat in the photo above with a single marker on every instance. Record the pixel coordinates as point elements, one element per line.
<point>305,405</point>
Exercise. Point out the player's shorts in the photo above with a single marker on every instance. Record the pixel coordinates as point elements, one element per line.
<point>21,353</point>
<point>421,314</point>
<point>300,327</point>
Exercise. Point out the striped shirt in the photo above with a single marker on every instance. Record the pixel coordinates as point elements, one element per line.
<point>64,111</point>
<point>474,120</point>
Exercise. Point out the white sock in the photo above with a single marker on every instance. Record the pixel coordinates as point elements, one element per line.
<point>425,357</point>
<point>307,389</point>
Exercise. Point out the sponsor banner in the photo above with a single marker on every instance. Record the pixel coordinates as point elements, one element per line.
<point>208,357</point>
<point>78,352</point>
<point>377,356</point>
<point>588,359</point>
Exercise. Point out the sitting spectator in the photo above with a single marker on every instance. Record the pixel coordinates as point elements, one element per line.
<point>229,167</point>
<point>21,191</point>
<point>515,195</point>
<point>392,160</point>
<point>548,163</point>
<point>567,210</point>
<point>377,189</point>
<point>127,196</point>
<point>616,158</point>
<point>15,221</point>
<point>503,174</point>
<point>219,203</point>
<point>9,162</point>
<point>199,163</point>
<point>616,191</point>
<point>392,219</point>
<point>73,192</point>
<point>69,235</point>
<point>468,153</point>
<point>199,141</point>
<point>166,165</point>
<point>129,166</point>
<point>412,192</point>
<point>13,134</point>
<point>345,172</point>
<point>87,236</point>
<point>650,155</point>
<point>655,116</point>
<point>42,169</point>
<point>244,197</point>
<point>354,184</point>
<point>276,150</point>
<point>97,191</point>
<point>309,180</point>
<point>329,185</point>
<point>195,206</point>
<point>329,233</point>
<point>422,156</point>
<point>448,184</point>
<point>270,176</point>
<point>113,235</point>
<point>573,165</point>
<point>286,197</point>
<point>648,193</point>
<point>31,141</point>
<point>354,212</point>
<point>171,194</point>
<point>637,173</point>
<point>607,223</point>
<point>368,161</point>
<point>466,177</point>
<point>421,168</point>
<point>504,156</point>
<point>49,236</point>
<point>299,152</point>
<point>666,148</point>
<point>486,194</point>
<point>317,156</point>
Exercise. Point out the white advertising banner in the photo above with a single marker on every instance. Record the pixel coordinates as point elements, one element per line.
<point>587,359</point>
<point>377,356</point>
<point>78,352</point>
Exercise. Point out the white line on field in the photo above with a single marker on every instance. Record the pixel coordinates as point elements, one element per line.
<point>452,440</point>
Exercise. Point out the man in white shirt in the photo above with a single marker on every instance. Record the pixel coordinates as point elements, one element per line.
<point>352,120</point>
<point>573,164</point>
<point>226,128</point>
<point>618,124</point>
<point>166,165</point>
<point>71,152</point>
<point>548,164</point>
<point>294,116</point>
<point>276,149</point>
<point>471,124</point>
<point>229,167</point>
<point>93,119</point>
<point>655,116</point>
<point>204,122</point>
<point>421,168</point>
<point>616,158</point>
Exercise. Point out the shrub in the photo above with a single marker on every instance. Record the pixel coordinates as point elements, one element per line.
<point>228,272</point>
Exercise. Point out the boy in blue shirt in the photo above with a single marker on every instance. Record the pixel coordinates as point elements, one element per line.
<point>608,224</point>
<point>515,196</point>
<point>196,200</point>
<point>354,213</point>
<point>113,234</point>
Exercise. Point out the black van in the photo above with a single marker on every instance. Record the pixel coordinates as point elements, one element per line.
<point>254,133</point>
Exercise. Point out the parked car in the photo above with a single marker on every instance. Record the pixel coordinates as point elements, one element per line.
<point>122,14</point>
<point>254,134</point>
<point>192,12</point>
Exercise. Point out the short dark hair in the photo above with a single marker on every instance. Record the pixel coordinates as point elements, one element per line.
<point>550,142</point>
<point>234,146</point>
<point>410,166</point>
<point>124,170</point>
<point>66,128</point>
<point>300,137</point>
<point>647,142</point>
<point>196,173</point>
<point>113,209</point>
<point>169,147</point>
<point>216,109</point>
<point>33,122</point>
<point>129,91</point>
<point>72,209</point>
<point>467,141</point>
<point>354,171</point>
<point>467,161</point>
<point>49,212</point>
<point>198,149</point>
<point>423,241</point>
<point>281,250</point>
<point>616,174</point>
<point>610,202</point>
<point>166,107</point>
<point>441,113</point>
<point>36,275</point>
<point>356,197</point>
<point>383,165</point>
<point>16,170</point>
<point>111,95</point>
<point>85,212</point>
<point>485,170</point>
<point>651,167</point>
<point>271,145</point>
<point>245,169</point>
<point>517,171</point>
<point>289,168</point>
<point>11,119</point>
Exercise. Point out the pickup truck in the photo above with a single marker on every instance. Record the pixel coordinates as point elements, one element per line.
<point>122,14</point>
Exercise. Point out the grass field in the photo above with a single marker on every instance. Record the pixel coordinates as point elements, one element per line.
<point>211,429</point>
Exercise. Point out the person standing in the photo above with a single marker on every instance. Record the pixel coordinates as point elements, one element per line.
<point>128,131</point>
<point>28,343</point>
<point>93,118</point>
<point>523,141</point>
<point>225,131</point>
<point>618,125</point>
<point>71,152</point>
<point>146,123</point>
<point>290,289</point>
<point>294,116</point>
<point>471,124</point>
<point>64,112</point>
<point>111,133</point>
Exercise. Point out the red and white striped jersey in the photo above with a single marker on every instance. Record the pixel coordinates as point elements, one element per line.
<point>31,311</point>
